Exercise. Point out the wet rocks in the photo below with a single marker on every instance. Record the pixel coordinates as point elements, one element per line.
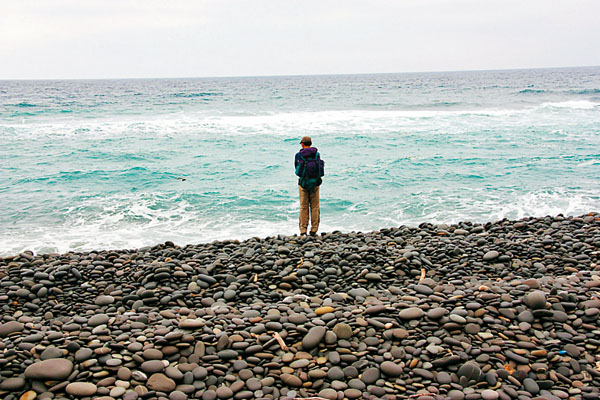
<point>12,384</point>
<point>342,331</point>
<point>464,311</point>
<point>391,369</point>
<point>98,319</point>
<point>55,369</point>
<point>491,255</point>
<point>411,313</point>
<point>160,383</point>
<point>536,300</point>
<point>11,327</point>
<point>313,337</point>
<point>81,389</point>
<point>469,373</point>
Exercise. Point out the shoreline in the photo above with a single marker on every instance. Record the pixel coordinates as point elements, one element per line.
<point>463,311</point>
<point>445,229</point>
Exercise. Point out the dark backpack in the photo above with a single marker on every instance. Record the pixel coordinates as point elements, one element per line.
<point>310,171</point>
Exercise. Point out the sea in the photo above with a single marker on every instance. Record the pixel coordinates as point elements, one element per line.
<point>119,164</point>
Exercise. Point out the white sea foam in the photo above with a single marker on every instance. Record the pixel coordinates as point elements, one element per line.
<point>211,125</point>
<point>574,104</point>
<point>135,221</point>
<point>588,163</point>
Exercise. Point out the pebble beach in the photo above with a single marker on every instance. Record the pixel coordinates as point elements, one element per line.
<point>501,310</point>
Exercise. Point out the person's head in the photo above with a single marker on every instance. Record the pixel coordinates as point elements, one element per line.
<point>306,142</point>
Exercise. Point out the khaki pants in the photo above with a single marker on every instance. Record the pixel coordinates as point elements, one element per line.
<point>309,200</point>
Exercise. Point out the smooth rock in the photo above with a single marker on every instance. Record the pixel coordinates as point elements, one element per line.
<point>313,337</point>
<point>81,389</point>
<point>55,369</point>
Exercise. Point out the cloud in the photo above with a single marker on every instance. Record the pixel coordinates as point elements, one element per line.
<point>152,38</point>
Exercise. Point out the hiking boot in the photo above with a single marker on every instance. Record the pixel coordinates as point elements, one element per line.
<point>313,233</point>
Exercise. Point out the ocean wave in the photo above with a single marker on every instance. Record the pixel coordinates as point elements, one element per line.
<point>573,104</point>
<point>132,220</point>
<point>200,94</point>
<point>23,104</point>
<point>588,163</point>
<point>216,126</point>
<point>532,91</point>
<point>584,91</point>
<point>483,205</point>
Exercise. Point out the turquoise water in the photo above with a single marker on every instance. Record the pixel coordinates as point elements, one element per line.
<point>98,164</point>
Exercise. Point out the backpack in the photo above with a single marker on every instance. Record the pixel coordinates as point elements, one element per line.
<point>310,171</point>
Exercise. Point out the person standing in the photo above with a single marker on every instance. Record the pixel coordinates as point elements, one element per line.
<point>309,169</point>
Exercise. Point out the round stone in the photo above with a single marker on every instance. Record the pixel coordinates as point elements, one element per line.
<point>423,289</point>
<point>436,313</point>
<point>29,395</point>
<point>191,324</point>
<point>335,373</point>
<point>411,313</point>
<point>491,255</point>
<point>313,337</point>
<point>12,384</point>
<point>352,393</point>
<point>98,319</point>
<point>117,391</point>
<point>124,373</point>
<point>373,277</point>
<point>291,380</point>
<point>161,383</point>
<point>489,394</point>
<point>55,369</point>
<point>531,386</point>
<point>104,300</point>
<point>11,327</point>
<point>536,299</point>
<point>152,366</point>
<point>370,375</point>
<point>51,352</point>
<point>391,369</point>
<point>223,392</point>
<point>227,354</point>
<point>356,384</point>
<point>443,378</point>
<point>297,318</point>
<point>472,329</point>
<point>324,310</point>
<point>302,363</point>
<point>253,384</point>
<point>456,394</point>
<point>81,389</point>
<point>470,371</point>
<point>152,354</point>
<point>457,318</point>
<point>328,394</point>
<point>342,331</point>
<point>209,395</point>
<point>177,395</point>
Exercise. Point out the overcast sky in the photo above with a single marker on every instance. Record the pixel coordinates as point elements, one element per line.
<point>195,38</point>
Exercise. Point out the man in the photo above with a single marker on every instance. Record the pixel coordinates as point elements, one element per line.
<point>310,169</point>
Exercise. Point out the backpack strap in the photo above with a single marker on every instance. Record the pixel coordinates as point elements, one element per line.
<point>318,159</point>
<point>301,168</point>
<point>303,162</point>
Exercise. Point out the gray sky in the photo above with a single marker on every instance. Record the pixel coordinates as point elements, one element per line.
<point>195,38</point>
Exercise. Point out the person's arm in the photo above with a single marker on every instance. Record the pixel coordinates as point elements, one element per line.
<point>297,164</point>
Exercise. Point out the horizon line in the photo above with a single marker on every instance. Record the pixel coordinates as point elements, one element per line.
<point>300,75</point>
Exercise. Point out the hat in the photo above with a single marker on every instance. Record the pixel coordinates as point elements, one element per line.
<point>306,140</point>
